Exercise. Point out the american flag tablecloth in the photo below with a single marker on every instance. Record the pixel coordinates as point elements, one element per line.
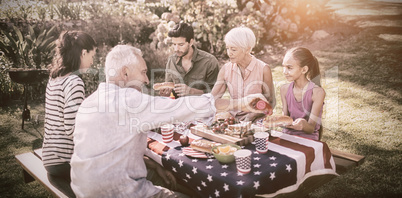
<point>289,161</point>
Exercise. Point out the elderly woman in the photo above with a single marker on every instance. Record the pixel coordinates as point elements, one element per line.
<point>244,74</point>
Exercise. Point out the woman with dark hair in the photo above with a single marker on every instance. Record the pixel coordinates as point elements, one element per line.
<point>64,93</point>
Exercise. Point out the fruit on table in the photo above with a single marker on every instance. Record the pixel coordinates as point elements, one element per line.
<point>184,140</point>
<point>224,149</point>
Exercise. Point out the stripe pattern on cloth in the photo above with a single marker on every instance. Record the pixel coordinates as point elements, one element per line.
<point>63,97</point>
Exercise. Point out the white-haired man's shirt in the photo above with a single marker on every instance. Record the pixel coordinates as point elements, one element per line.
<point>110,138</point>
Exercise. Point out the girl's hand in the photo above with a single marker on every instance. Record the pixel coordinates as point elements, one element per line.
<point>298,124</point>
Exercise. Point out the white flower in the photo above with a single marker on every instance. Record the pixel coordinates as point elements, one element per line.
<point>250,5</point>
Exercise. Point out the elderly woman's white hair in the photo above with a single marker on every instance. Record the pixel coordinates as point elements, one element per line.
<point>119,56</point>
<point>242,37</point>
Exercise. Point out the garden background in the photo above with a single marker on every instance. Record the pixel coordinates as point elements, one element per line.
<point>358,45</point>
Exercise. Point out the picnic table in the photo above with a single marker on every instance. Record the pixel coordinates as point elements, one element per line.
<point>292,166</point>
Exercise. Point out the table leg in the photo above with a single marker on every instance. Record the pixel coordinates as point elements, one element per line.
<point>26,114</point>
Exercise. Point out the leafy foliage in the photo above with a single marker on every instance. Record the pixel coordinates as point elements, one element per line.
<point>284,20</point>
<point>31,51</point>
<point>145,24</point>
<point>269,19</point>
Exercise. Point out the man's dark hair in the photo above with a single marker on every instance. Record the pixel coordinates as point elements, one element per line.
<point>182,30</point>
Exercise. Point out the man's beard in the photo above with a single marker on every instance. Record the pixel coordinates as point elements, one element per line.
<point>185,52</point>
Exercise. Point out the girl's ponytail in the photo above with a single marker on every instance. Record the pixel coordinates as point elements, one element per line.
<point>314,72</point>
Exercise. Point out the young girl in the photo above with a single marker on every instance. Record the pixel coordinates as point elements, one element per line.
<point>303,98</point>
<point>64,93</point>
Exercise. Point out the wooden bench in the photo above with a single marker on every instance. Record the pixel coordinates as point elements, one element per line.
<point>345,161</point>
<point>33,169</point>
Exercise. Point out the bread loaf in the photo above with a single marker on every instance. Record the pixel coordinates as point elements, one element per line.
<point>277,120</point>
<point>202,145</point>
<point>158,86</point>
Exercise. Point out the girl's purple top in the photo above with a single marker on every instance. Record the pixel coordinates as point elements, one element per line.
<point>302,109</point>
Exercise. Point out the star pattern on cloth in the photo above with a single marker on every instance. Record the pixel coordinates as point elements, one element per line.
<point>181,154</point>
<point>257,165</point>
<point>225,187</point>
<point>224,174</point>
<point>288,168</point>
<point>257,173</point>
<point>194,170</point>
<point>240,183</point>
<point>209,178</point>
<point>181,163</point>
<point>256,184</point>
<point>217,193</point>
<point>272,175</point>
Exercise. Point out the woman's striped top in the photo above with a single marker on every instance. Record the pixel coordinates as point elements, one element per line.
<point>63,97</point>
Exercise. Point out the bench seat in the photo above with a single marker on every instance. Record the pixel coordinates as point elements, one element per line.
<point>345,161</point>
<point>33,169</point>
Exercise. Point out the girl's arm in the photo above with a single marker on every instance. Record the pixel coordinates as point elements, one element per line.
<point>318,103</point>
<point>284,90</point>
<point>220,85</point>
<point>268,89</point>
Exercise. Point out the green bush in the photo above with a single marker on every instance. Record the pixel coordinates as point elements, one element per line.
<point>145,24</point>
<point>32,49</point>
<point>286,20</point>
<point>273,21</point>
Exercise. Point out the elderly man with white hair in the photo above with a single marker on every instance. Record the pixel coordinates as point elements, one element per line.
<point>244,74</point>
<point>111,130</point>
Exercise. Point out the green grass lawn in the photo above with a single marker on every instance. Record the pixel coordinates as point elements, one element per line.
<point>362,115</point>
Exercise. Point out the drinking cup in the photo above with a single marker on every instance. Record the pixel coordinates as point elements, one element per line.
<point>261,142</point>
<point>167,133</point>
<point>243,161</point>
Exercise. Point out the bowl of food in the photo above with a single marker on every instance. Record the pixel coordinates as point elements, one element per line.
<point>224,152</point>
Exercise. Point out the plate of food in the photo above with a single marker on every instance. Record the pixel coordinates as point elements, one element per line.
<point>194,153</point>
<point>199,149</point>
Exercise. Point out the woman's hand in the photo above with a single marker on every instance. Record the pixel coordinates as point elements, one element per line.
<point>248,106</point>
<point>167,176</point>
